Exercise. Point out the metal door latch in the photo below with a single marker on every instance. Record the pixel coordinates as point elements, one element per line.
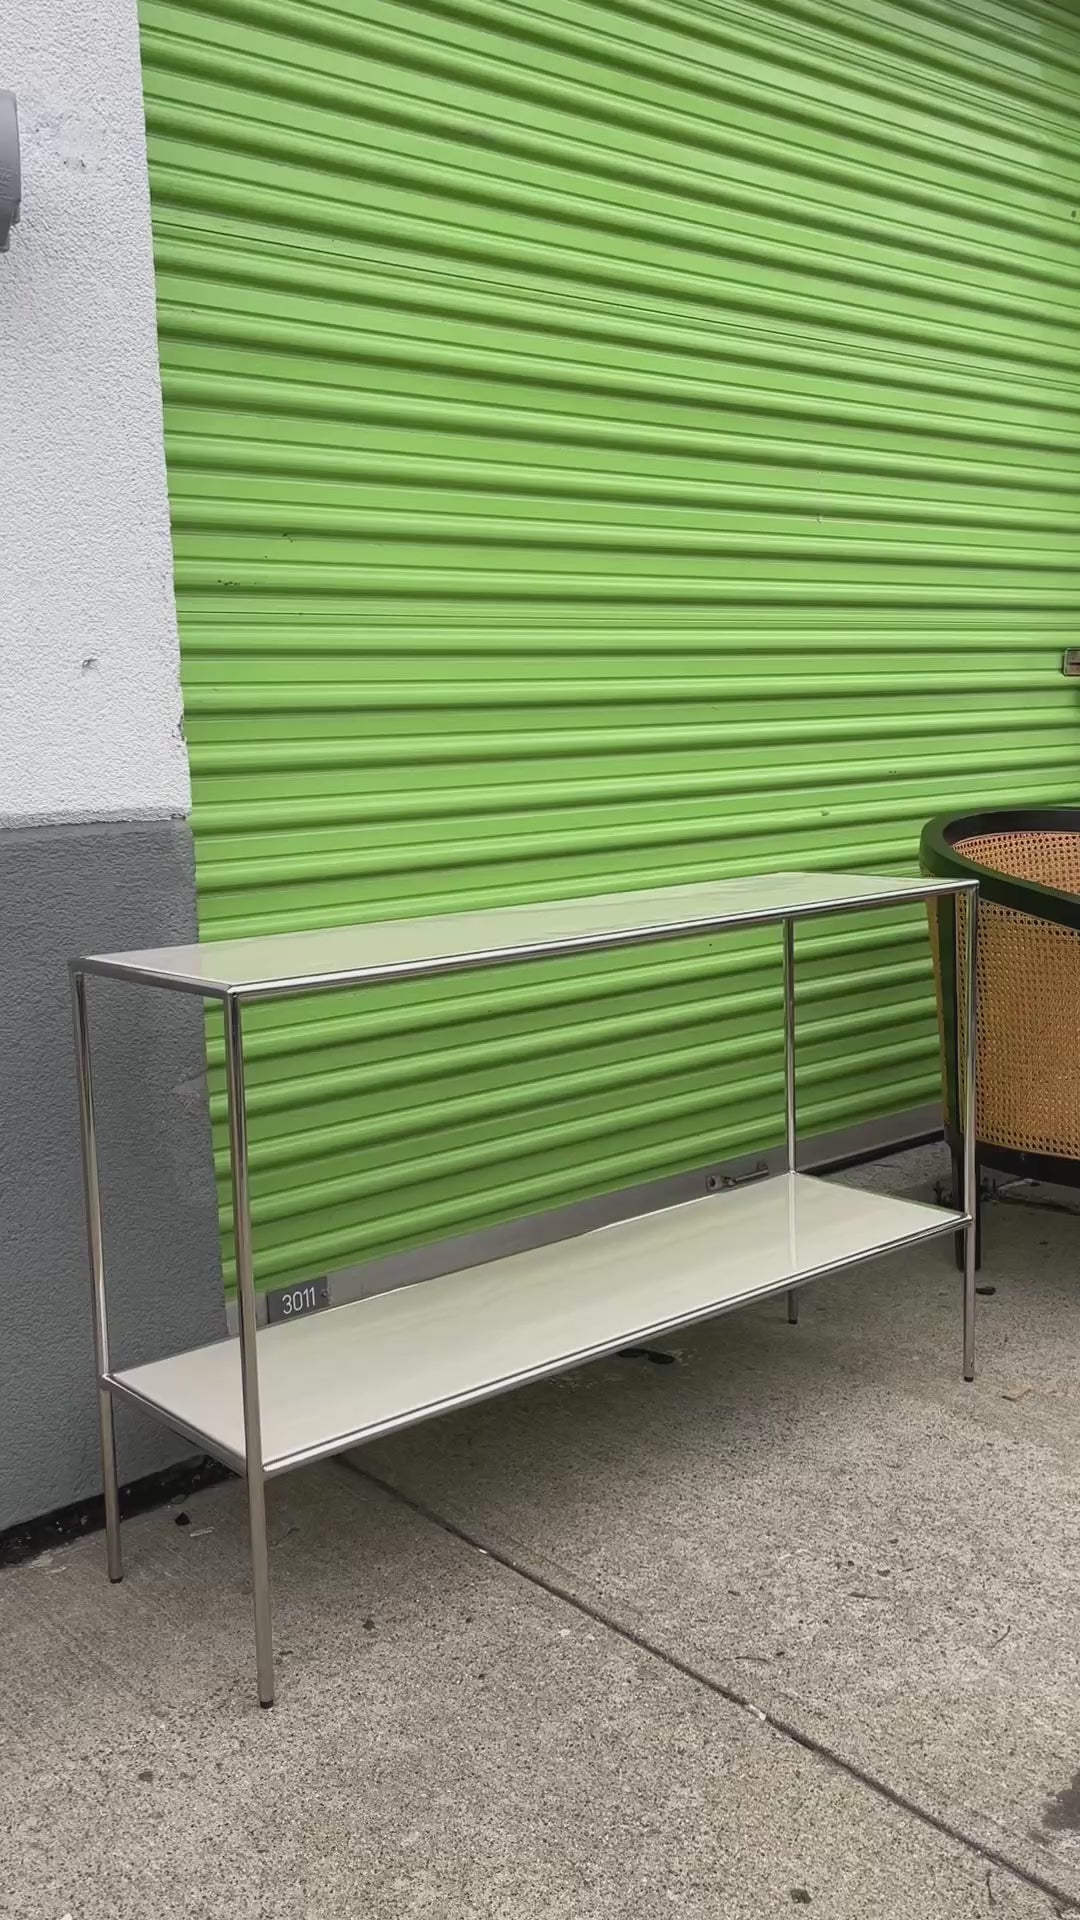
<point>723,1182</point>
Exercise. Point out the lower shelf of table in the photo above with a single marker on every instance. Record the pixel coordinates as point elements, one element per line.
<point>357,1371</point>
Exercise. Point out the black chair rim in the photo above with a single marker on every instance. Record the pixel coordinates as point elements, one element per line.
<point>940,858</point>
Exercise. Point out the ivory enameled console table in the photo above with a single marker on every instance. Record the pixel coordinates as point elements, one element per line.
<point>282,1396</point>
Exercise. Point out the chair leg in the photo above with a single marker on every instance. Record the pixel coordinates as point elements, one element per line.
<point>957,1200</point>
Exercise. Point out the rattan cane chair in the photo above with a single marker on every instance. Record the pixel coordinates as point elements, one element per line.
<point>1027,1095</point>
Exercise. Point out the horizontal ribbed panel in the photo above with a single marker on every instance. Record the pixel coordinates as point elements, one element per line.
<point>608,445</point>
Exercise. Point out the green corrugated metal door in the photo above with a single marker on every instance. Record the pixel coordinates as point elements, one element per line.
<point>608,444</point>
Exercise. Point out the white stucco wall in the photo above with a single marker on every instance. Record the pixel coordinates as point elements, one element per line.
<point>90,713</point>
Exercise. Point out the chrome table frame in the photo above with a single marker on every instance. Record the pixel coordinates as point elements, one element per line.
<point>515,935</point>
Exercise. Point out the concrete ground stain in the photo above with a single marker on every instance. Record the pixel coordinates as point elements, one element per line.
<point>1061,1813</point>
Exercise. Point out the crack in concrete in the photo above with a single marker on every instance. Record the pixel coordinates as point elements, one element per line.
<point>1063,1902</point>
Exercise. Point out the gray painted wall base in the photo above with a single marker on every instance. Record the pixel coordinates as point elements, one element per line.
<point>69,890</point>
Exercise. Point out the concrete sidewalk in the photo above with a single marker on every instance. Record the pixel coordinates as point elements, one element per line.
<point>788,1623</point>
